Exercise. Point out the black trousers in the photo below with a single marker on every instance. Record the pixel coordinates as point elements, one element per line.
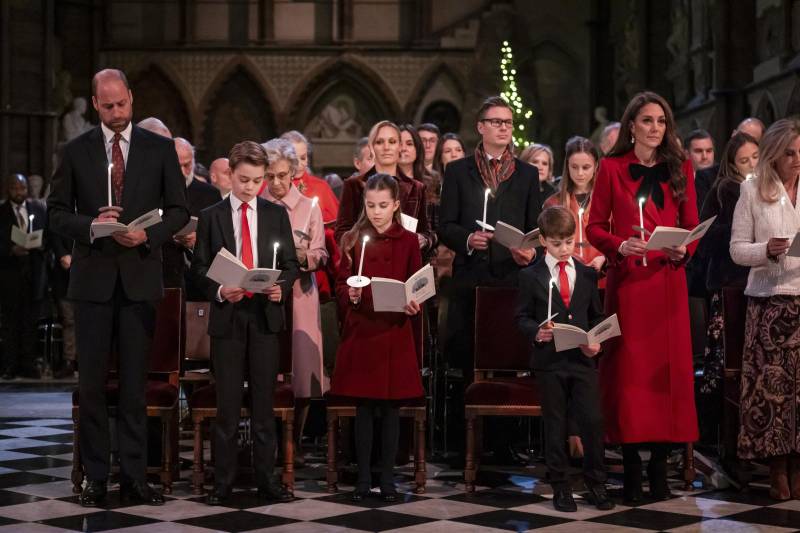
<point>572,394</point>
<point>99,327</point>
<point>248,346</point>
<point>19,312</point>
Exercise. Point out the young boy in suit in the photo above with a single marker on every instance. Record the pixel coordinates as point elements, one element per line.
<point>243,326</point>
<point>567,378</point>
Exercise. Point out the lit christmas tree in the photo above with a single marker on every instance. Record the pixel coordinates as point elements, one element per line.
<point>511,95</point>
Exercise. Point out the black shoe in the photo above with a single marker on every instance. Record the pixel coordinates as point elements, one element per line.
<point>563,500</point>
<point>218,496</point>
<point>389,494</point>
<point>275,492</point>
<point>94,493</point>
<point>598,496</point>
<point>141,493</point>
<point>632,485</point>
<point>359,494</point>
<point>657,476</point>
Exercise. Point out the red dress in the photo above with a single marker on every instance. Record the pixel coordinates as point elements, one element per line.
<point>377,356</point>
<point>646,375</point>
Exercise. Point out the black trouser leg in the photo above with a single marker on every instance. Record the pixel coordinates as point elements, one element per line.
<point>585,411</point>
<point>363,430</point>
<point>390,436</point>
<point>554,406</point>
<point>657,470</point>
<point>262,352</point>
<point>632,464</point>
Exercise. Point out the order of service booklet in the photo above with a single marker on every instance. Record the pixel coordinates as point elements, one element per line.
<point>667,237</point>
<point>391,295</point>
<point>188,228</point>
<point>29,241</point>
<point>228,271</point>
<point>567,336</point>
<point>107,228</point>
<point>511,237</point>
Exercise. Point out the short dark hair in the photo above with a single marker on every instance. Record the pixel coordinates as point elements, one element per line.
<point>248,152</point>
<point>556,222</point>
<point>492,101</point>
<point>432,128</point>
<point>359,146</point>
<point>117,72</point>
<point>696,135</point>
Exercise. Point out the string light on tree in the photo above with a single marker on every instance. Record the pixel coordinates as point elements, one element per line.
<point>510,94</point>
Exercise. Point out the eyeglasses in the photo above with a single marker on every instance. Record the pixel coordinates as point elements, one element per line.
<point>429,140</point>
<point>496,122</point>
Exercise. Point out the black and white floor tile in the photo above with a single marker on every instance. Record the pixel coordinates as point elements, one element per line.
<point>36,496</point>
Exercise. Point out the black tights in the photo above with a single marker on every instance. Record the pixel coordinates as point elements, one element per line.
<point>659,451</point>
<point>390,435</point>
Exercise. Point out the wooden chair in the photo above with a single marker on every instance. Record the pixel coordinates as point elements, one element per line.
<point>499,347</point>
<point>338,407</point>
<point>161,392</point>
<point>197,344</point>
<point>203,406</point>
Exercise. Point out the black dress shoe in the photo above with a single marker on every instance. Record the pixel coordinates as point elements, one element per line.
<point>94,493</point>
<point>598,496</point>
<point>141,493</point>
<point>218,496</point>
<point>389,494</point>
<point>275,492</point>
<point>359,494</point>
<point>632,485</point>
<point>563,500</point>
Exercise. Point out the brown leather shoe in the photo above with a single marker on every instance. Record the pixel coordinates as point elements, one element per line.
<point>794,476</point>
<point>779,478</point>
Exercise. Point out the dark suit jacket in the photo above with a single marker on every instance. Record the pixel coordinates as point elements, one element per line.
<point>516,202</point>
<point>152,180</point>
<point>215,231</point>
<point>720,270</point>
<point>31,267</point>
<point>59,278</point>
<point>585,311</point>
<point>703,181</point>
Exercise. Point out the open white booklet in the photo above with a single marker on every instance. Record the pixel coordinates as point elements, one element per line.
<point>188,228</point>
<point>567,336</point>
<point>29,241</point>
<point>390,295</point>
<point>105,229</point>
<point>511,237</point>
<point>408,222</point>
<point>666,237</point>
<point>228,271</point>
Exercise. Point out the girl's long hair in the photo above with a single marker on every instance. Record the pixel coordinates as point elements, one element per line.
<point>773,144</point>
<point>668,151</point>
<point>576,145</point>
<point>530,152</point>
<point>376,182</point>
<point>438,166</point>
<point>418,167</point>
<point>728,173</point>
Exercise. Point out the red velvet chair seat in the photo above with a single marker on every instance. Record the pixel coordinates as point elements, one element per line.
<point>206,397</point>
<point>157,394</point>
<point>503,391</point>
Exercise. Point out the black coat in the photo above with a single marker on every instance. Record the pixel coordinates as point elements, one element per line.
<point>516,202</point>
<point>585,311</point>
<point>215,231</point>
<point>153,180</point>
<point>721,271</point>
<point>30,268</point>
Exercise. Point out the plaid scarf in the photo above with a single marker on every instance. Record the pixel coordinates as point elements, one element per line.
<point>494,173</point>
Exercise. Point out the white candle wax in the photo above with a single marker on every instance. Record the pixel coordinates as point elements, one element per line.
<point>275,255</point>
<point>641,225</point>
<point>308,218</point>
<point>485,203</point>
<point>783,227</point>
<point>30,223</point>
<point>550,298</point>
<point>110,201</point>
<point>361,261</point>
<point>580,231</point>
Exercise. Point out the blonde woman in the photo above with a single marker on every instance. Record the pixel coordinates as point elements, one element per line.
<point>541,156</point>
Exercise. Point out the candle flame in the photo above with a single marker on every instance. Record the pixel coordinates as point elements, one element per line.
<point>488,192</point>
<point>366,238</point>
<point>641,200</point>
<point>275,246</point>
<point>580,211</point>
<point>110,166</point>
<point>314,201</point>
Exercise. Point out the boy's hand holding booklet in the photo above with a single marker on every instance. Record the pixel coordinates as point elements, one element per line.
<point>568,337</point>
<point>228,271</point>
<point>668,237</point>
<point>511,237</point>
<point>390,295</point>
<point>29,241</point>
<point>106,228</point>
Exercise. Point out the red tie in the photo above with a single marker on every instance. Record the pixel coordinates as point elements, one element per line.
<point>247,246</point>
<point>118,171</point>
<point>563,282</point>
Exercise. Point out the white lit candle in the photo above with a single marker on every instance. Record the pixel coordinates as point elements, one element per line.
<point>361,261</point>
<point>485,203</point>
<point>783,227</point>
<point>275,255</point>
<point>308,218</point>
<point>110,201</point>
<point>580,231</point>
<point>30,223</point>
<point>641,225</point>
<point>550,298</point>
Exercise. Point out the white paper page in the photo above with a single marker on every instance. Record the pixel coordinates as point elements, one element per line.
<point>567,337</point>
<point>511,237</point>
<point>388,295</point>
<point>421,285</point>
<point>226,272</point>
<point>29,241</point>
<point>605,330</point>
<point>666,237</point>
<point>188,228</point>
<point>409,222</point>
<point>150,218</point>
<point>105,229</point>
<point>258,279</point>
<point>699,230</point>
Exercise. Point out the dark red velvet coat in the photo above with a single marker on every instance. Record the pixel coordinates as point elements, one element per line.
<point>377,356</point>
<point>646,375</point>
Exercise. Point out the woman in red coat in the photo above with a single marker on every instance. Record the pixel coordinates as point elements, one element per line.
<point>646,375</point>
<point>377,357</point>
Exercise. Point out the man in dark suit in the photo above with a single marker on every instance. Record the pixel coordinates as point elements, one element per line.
<point>243,326</point>
<point>115,281</point>
<point>23,280</point>
<point>514,199</point>
<point>59,284</point>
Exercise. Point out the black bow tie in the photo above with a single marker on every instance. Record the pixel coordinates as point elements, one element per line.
<point>652,178</point>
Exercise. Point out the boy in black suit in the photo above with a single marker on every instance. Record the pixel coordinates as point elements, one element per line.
<point>567,378</point>
<point>243,326</point>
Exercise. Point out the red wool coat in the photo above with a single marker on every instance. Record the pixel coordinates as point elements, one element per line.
<point>646,375</point>
<point>377,356</point>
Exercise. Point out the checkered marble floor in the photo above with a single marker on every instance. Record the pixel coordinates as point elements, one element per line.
<point>36,496</point>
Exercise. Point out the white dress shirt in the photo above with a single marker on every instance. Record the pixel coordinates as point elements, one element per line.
<point>124,142</point>
<point>23,211</point>
<point>555,270</point>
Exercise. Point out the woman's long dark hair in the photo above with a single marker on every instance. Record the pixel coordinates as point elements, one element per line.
<point>668,151</point>
<point>728,172</point>
<point>576,145</point>
<point>438,166</point>
<point>376,182</point>
<point>418,168</point>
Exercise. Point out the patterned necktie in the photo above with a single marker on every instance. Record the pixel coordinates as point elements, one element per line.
<point>118,171</point>
<point>563,282</point>
<point>247,246</point>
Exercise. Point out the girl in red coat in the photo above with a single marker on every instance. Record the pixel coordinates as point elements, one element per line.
<point>377,358</point>
<point>646,377</point>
